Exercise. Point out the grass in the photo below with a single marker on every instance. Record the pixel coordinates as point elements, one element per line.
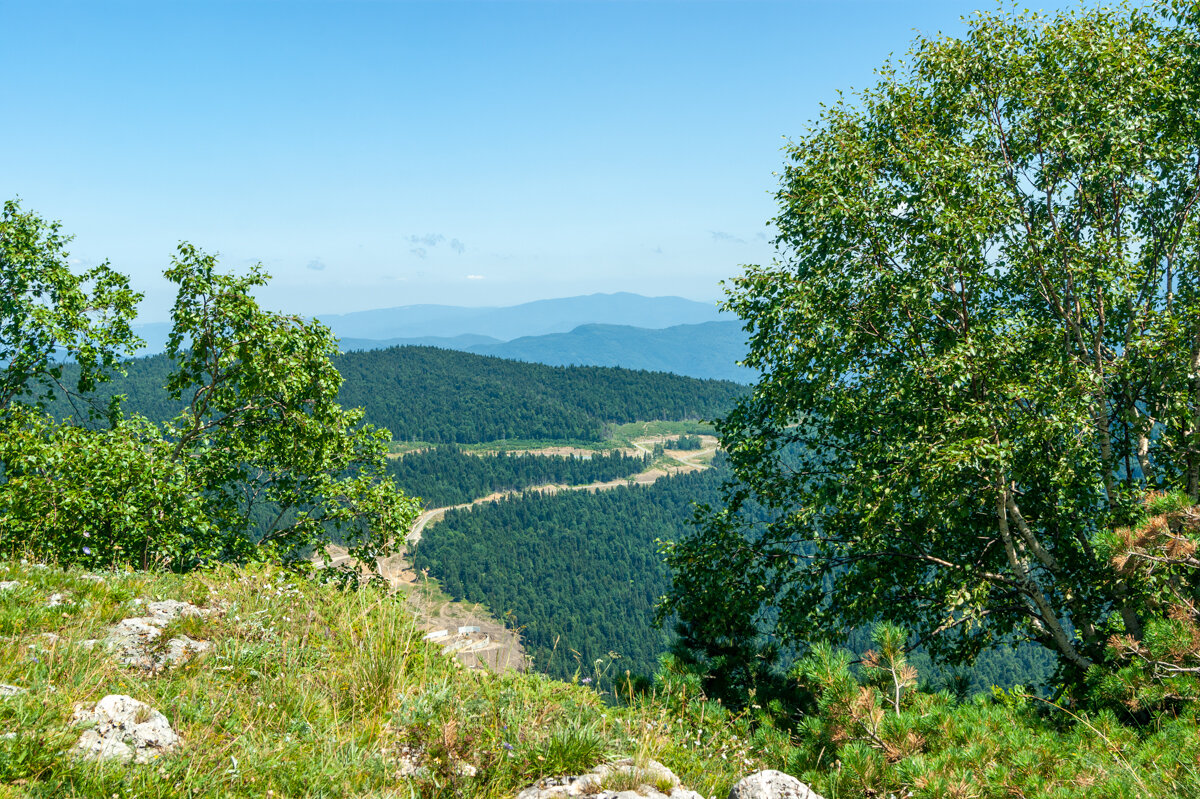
<point>622,435</point>
<point>314,691</point>
<point>308,691</point>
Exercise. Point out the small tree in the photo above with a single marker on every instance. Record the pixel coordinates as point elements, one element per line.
<point>280,464</point>
<point>263,463</point>
<point>979,346</point>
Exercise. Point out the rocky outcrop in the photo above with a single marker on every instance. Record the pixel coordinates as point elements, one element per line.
<point>122,728</point>
<point>623,779</point>
<point>135,640</point>
<point>772,784</point>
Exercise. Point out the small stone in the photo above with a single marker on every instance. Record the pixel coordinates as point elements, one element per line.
<point>173,608</point>
<point>10,690</point>
<point>132,639</point>
<point>8,585</point>
<point>181,650</point>
<point>771,784</point>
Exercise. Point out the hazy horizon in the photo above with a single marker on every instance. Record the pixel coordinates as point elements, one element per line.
<point>377,154</point>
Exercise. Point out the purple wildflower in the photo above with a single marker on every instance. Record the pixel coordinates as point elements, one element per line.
<point>87,550</point>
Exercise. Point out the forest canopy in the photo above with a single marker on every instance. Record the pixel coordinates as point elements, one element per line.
<point>441,396</point>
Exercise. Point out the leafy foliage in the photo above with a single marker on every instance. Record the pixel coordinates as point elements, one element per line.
<point>100,498</point>
<point>48,313</point>
<point>1156,558</point>
<point>978,347</point>
<point>260,429</point>
<point>860,743</point>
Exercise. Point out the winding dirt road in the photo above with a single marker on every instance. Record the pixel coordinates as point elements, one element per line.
<point>490,643</point>
<point>689,460</point>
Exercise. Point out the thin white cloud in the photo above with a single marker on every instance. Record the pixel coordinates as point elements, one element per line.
<point>474,277</point>
<point>429,239</point>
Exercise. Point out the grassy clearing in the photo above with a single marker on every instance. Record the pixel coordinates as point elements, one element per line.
<point>623,435</point>
<point>309,691</point>
<point>619,436</point>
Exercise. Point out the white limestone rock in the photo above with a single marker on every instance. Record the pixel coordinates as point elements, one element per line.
<point>771,784</point>
<point>172,608</point>
<point>122,728</point>
<point>651,777</point>
<point>133,640</point>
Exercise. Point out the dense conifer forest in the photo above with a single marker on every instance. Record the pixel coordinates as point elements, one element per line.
<point>579,571</point>
<point>443,396</point>
<point>448,476</point>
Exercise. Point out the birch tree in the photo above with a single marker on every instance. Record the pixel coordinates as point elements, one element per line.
<point>979,345</point>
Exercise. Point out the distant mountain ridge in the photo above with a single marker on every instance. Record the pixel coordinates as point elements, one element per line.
<point>537,318</point>
<point>709,350</point>
<point>663,334</point>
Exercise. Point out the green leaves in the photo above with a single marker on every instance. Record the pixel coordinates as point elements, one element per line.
<point>979,343</point>
<point>262,463</point>
<point>48,313</point>
<point>277,460</point>
<point>106,498</point>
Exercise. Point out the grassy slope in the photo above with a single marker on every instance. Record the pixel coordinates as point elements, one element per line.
<point>311,691</point>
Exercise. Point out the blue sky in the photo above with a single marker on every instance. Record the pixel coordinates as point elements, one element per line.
<point>375,154</point>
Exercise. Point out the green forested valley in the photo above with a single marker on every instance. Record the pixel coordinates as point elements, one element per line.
<point>446,475</point>
<point>579,571</point>
<point>444,396</point>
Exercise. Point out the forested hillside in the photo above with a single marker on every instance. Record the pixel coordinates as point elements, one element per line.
<point>441,396</point>
<point>448,476</point>
<point>579,571</point>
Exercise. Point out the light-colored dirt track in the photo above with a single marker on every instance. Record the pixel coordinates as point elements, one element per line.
<point>495,646</point>
<point>689,461</point>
